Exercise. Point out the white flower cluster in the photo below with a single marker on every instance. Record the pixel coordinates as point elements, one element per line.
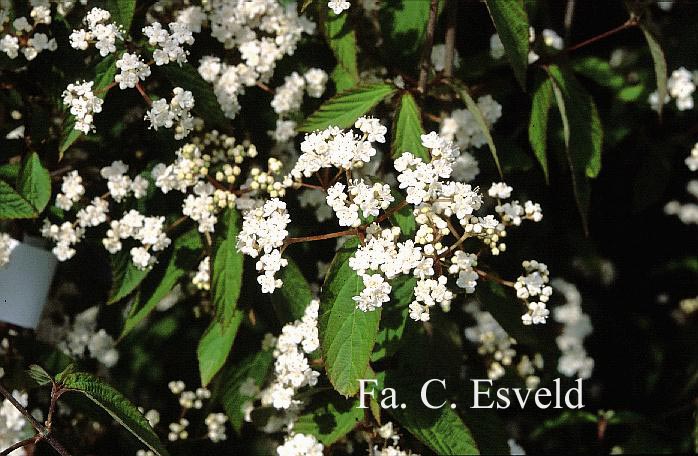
<point>24,37</point>
<point>687,212</point>
<point>390,443</point>
<point>534,285</point>
<point>131,70</point>
<point>215,424</point>
<point>263,232</point>
<point>148,230</point>
<point>292,370</point>
<point>99,31</point>
<point>83,104</point>
<point>574,361</point>
<point>191,400</point>
<point>289,96</point>
<point>202,278</point>
<point>262,32</point>
<point>462,127</point>
<point>334,147</point>
<point>169,46</point>
<point>72,191</point>
<point>120,185</point>
<point>13,426</point>
<point>493,342</point>
<point>300,445</point>
<point>680,86</point>
<point>175,113</point>
<point>7,244</point>
<point>81,338</point>
<point>338,6</point>
<point>368,199</point>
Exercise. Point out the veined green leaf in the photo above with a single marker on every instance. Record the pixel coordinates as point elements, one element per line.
<point>582,133</point>
<point>31,192</point>
<point>660,67</point>
<point>329,417</point>
<point>256,366</point>
<point>394,319</point>
<point>294,296</point>
<point>118,406</point>
<point>343,109</point>
<point>511,21</point>
<point>538,124</point>
<point>342,40</point>
<point>407,129</point>
<point>347,334</point>
<point>122,11</point>
<point>226,281</point>
<point>39,375</point>
<point>126,276</point>
<point>185,254</point>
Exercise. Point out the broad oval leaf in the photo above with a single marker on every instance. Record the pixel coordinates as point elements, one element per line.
<point>347,334</point>
<point>31,192</point>
<point>226,281</point>
<point>407,129</point>
<point>122,11</point>
<point>343,109</point>
<point>116,404</point>
<point>294,296</point>
<point>511,21</point>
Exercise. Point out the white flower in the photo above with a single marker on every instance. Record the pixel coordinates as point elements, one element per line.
<point>168,45</point>
<point>553,40</point>
<point>176,113</point>
<point>337,6</point>
<point>300,445</point>
<point>141,257</point>
<point>500,190</point>
<point>9,44</point>
<point>215,422</point>
<point>376,292</point>
<point>83,104</point>
<point>71,191</point>
<point>202,279</point>
<point>537,314</point>
<point>289,96</point>
<point>315,80</point>
<point>132,69</point>
<point>438,57</point>
<point>7,244</point>
<point>496,47</point>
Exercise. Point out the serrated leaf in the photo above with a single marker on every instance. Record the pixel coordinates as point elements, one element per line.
<point>482,123</point>
<point>126,276</point>
<point>226,282</point>
<point>185,255</point>
<point>116,404</point>
<point>342,40</point>
<point>104,76</point>
<point>660,66</point>
<point>538,124</point>
<point>343,109</point>
<point>122,11</point>
<point>256,366</point>
<point>511,21</point>
<point>39,375</point>
<point>31,192</point>
<point>206,106</point>
<point>347,334</point>
<point>407,130</point>
<point>394,318</point>
<point>294,296</point>
<point>582,133</point>
<point>329,417</point>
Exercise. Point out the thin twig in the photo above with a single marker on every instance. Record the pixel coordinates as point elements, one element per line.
<point>450,40</point>
<point>391,211</point>
<point>494,278</point>
<point>426,50</point>
<point>21,444</point>
<point>319,237</point>
<point>632,22</point>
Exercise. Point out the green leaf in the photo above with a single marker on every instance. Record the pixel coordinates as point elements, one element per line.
<point>404,25</point>
<point>118,406</point>
<point>407,130</point>
<point>34,182</point>
<point>206,106</point>
<point>343,109</point>
<point>660,66</point>
<point>582,133</point>
<point>511,21</point>
<point>342,40</point>
<point>347,334</point>
<point>39,375</point>
<point>184,258</point>
<point>30,195</point>
<point>104,76</point>
<point>9,172</point>
<point>404,218</point>
<point>126,276</point>
<point>538,124</point>
<point>294,296</point>
<point>394,318</point>
<point>600,71</point>
<point>226,282</point>
<point>122,11</point>
<point>329,417</point>
<point>480,119</point>
<point>256,366</point>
